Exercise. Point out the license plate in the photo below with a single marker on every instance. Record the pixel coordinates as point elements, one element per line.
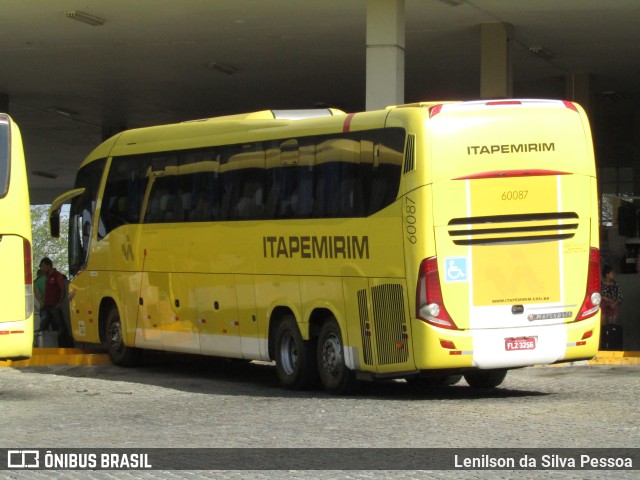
<point>521,343</point>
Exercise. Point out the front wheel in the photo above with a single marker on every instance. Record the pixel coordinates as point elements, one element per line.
<point>485,378</point>
<point>120,354</point>
<point>295,358</point>
<point>334,374</point>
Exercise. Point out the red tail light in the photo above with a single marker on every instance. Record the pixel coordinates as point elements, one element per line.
<point>591,303</point>
<point>570,105</point>
<point>433,111</point>
<point>28,267</point>
<point>429,303</point>
<point>28,278</point>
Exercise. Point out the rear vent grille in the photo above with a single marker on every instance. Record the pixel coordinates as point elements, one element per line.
<point>390,324</point>
<point>365,327</point>
<point>506,229</point>
<point>410,154</point>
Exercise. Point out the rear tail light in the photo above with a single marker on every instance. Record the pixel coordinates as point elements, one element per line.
<point>28,278</point>
<point>433,111</point>
<point>429,303</point>
<point>591,303</point>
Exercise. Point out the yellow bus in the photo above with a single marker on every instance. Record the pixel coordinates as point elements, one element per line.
<point>426,241</point>
<point>16,289</point>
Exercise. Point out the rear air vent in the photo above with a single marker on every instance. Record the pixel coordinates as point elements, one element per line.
<point>506,229</point>
<point>392,340</point>
<point>410,154</point>
<point>365,327</point>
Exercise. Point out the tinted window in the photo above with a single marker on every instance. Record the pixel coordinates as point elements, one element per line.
<point>5,155</point>
<point>82,212</point>
<point>342,175</point>
<point>124,191</point>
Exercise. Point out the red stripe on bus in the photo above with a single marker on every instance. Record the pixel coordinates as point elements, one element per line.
<point>347,122</point>
<point>511,173</point>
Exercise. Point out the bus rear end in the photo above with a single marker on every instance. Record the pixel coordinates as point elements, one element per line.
<point>515,276</point>
<point>16,290</point>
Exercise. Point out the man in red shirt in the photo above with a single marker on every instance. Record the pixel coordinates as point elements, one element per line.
<point>53,297</point>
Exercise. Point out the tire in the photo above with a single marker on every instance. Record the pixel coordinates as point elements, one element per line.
<point>295,358</point>
<point>334,374</point>
<point>120,354</point>
<point>485,378</point>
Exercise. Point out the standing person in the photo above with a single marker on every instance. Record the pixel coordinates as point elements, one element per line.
<point>611,296</point>
<point>53,298</point>
<point>38,287</point>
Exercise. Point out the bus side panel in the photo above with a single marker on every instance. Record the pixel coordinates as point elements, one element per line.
<point>252,346</point>
<point>323,293</point>
<point>16,337</point>
<point>218,314</point>
<point>84,313</point>
<point>275,291</point>
<point>180,325</point>
<point>360,349</point>
<point>12,284</point>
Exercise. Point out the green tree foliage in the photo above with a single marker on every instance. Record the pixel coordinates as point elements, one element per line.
<point>44,245</point>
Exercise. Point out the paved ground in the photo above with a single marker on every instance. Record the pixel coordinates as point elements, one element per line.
<point>195,402</point>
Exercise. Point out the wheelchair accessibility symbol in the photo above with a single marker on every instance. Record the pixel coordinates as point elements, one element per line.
<point>456,269</point>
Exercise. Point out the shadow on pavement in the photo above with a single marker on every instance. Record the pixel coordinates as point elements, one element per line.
<point>216,376</point>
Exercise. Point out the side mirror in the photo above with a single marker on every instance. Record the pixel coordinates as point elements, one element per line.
<point>54,224</point>
<point>54,210</point>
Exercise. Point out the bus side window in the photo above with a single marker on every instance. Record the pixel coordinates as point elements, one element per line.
<point>124,191</point>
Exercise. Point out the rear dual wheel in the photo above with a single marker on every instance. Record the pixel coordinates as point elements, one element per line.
<point>334,374</point>
<point>300,363</point>
<point>295,358</point>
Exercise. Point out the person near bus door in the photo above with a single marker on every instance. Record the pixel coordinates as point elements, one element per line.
<point>53,297</point>
<point>611,296</point>
<point>38,290</point>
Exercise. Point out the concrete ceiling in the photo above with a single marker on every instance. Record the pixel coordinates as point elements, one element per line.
<point>148,63</point>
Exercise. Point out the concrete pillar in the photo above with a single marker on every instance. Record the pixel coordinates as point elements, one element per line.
<point>385,53</point>
<point>578,89</point>
<point>636,153</point>
<point>496,79</point>
<point>4,103</point>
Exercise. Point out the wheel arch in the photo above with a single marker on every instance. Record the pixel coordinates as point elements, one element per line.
<point>277,314</point>
<point>106,304</point>
<point>318,317</point>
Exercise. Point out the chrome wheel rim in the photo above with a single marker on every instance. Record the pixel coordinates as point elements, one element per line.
<point>288,354</point>
<point>332,355</point>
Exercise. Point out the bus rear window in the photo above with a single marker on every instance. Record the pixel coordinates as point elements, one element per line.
<point>5,143</point>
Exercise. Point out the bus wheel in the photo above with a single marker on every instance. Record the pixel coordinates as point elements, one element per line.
<point>120,354</point>
<point>295,358</point>
<point>334,374</point>
<point>485,378</point>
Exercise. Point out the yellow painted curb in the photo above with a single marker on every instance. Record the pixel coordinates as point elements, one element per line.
<point>616,358</point>
<point>60,356</point>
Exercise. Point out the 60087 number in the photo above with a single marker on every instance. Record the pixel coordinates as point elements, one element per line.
<point>410,219</point>
<point>515,194</point>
